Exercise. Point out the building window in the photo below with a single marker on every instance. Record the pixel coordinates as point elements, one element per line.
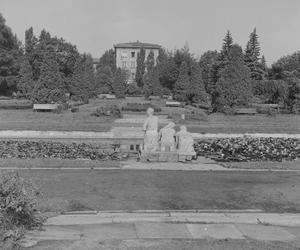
<point>132,54</point>
<point>124,64</point>
<point>133,65</point>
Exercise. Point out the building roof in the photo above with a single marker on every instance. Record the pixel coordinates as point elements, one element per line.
<point>137,44</point>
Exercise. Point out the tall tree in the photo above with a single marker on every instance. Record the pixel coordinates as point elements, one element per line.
<point>140,67</point>
<point>25,82</point>
<point>120,83</point>
<point>104,80</point>
<point>50,86</point>
<point>196,91</point>
<point>108,59</point>
<point>252,57</point>
<point>182,84</point>
<point>227,44</point>
<point>234,84</point>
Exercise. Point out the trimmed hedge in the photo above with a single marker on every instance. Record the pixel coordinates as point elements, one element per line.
<point>140,107</point>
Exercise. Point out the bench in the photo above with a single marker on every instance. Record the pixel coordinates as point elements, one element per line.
<point>173,104</point>
<point>245,111</point>
<point>45,107</point>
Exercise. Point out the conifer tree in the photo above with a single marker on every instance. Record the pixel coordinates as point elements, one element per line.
<point>182,84</point>
<point>252,57</point>
<point>140,67</point>
<point>227,44</point>
<point>234,84</point>
<point>196,91</point>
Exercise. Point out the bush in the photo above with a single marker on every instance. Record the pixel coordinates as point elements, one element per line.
<point>18,202</point>
<point>140,107</point>
<point>74,109</point>
<point>266,110</point>
<point>108,110</point>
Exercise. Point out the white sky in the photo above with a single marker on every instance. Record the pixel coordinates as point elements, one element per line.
<point>95,25</point>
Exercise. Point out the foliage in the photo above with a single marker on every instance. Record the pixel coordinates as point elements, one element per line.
<point>207,63</point>
<point>18,202</point>
<point>292,100</point>
<point>182,84</point>
<point>119,84</point>
<point>151,80</point>
<point>270,91</point>
<point>233,86</point>
<point>108,110</point>
<point>50,86</point>
<point>226,47</point>
<point>134,90</point>
<point>196,90</point>
<point>252,58</point>
<point>140,68</point>
<point>108,59</point>
<point>250,149</point>
<point>287,66</point>
<point>104,80</point>
<point>25,82</point>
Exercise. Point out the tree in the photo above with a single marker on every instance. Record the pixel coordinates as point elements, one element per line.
<point>234,85</point>
<point>151,81</point>
<point>252,57</point>
<point>292,100</point>
<point>10,59</point>
<point>287,67</point>
<point>196,91</point>
<point>25,81</point>
<point>50,86</point>
<point>207,63</point>
<point>227,44</point>
<point>120,83</point>
<point>104,80</point>
<point>108,59</point>
<point>182,84</point>
<point>140,67</point>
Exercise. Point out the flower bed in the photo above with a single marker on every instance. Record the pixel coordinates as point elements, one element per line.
<point>249,149</point>
<point>43,149</point>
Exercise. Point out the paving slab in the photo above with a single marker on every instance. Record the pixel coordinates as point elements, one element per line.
<point>162,231</point>
<point>216,231</point>
<point>265,233</point>
<point>77,220</point>
<point>109,231</point>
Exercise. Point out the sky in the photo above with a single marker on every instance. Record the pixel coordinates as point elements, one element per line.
<point>95,25</point>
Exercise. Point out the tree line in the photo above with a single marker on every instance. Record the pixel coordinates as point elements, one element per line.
<point>48,69</point>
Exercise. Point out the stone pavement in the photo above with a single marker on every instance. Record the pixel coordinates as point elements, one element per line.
<point>169,225</point>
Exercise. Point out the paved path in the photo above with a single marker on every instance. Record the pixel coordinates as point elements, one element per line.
<point>169,225</point>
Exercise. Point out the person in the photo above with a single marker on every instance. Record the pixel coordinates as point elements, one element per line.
<point>167,137</point>
<point>150,128</point>
<point>185,142</point>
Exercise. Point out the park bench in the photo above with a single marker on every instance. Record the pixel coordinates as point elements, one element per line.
<point>45,107</point>
<point>245,111</point>
<point>173,104</point>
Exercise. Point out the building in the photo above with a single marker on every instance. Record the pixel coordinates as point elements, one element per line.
<point>126,55</point>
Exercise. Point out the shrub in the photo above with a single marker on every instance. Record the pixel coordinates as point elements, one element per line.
<point>74,109</point>
<point>18,201</point>
<point>266,110</point>
<point>108,110</point>
<point>140,107</point>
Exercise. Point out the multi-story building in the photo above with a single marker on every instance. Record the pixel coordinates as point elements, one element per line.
<point>126,55</point>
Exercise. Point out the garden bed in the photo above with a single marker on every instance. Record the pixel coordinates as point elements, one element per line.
<point>245,149</point>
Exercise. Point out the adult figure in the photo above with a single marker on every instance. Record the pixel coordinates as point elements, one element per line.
<point>151,135</point>
<point>185,142</point>
<point>167,137</point>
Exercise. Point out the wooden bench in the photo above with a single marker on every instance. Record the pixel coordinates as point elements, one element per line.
<point>45,107</point>
<point>245,111</point>
<point>173,104</point>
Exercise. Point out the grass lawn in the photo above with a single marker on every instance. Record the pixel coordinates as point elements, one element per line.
<point>219,123</point>
<point>65,190</point>
<point>291,165</point>
<point>166,244</point>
